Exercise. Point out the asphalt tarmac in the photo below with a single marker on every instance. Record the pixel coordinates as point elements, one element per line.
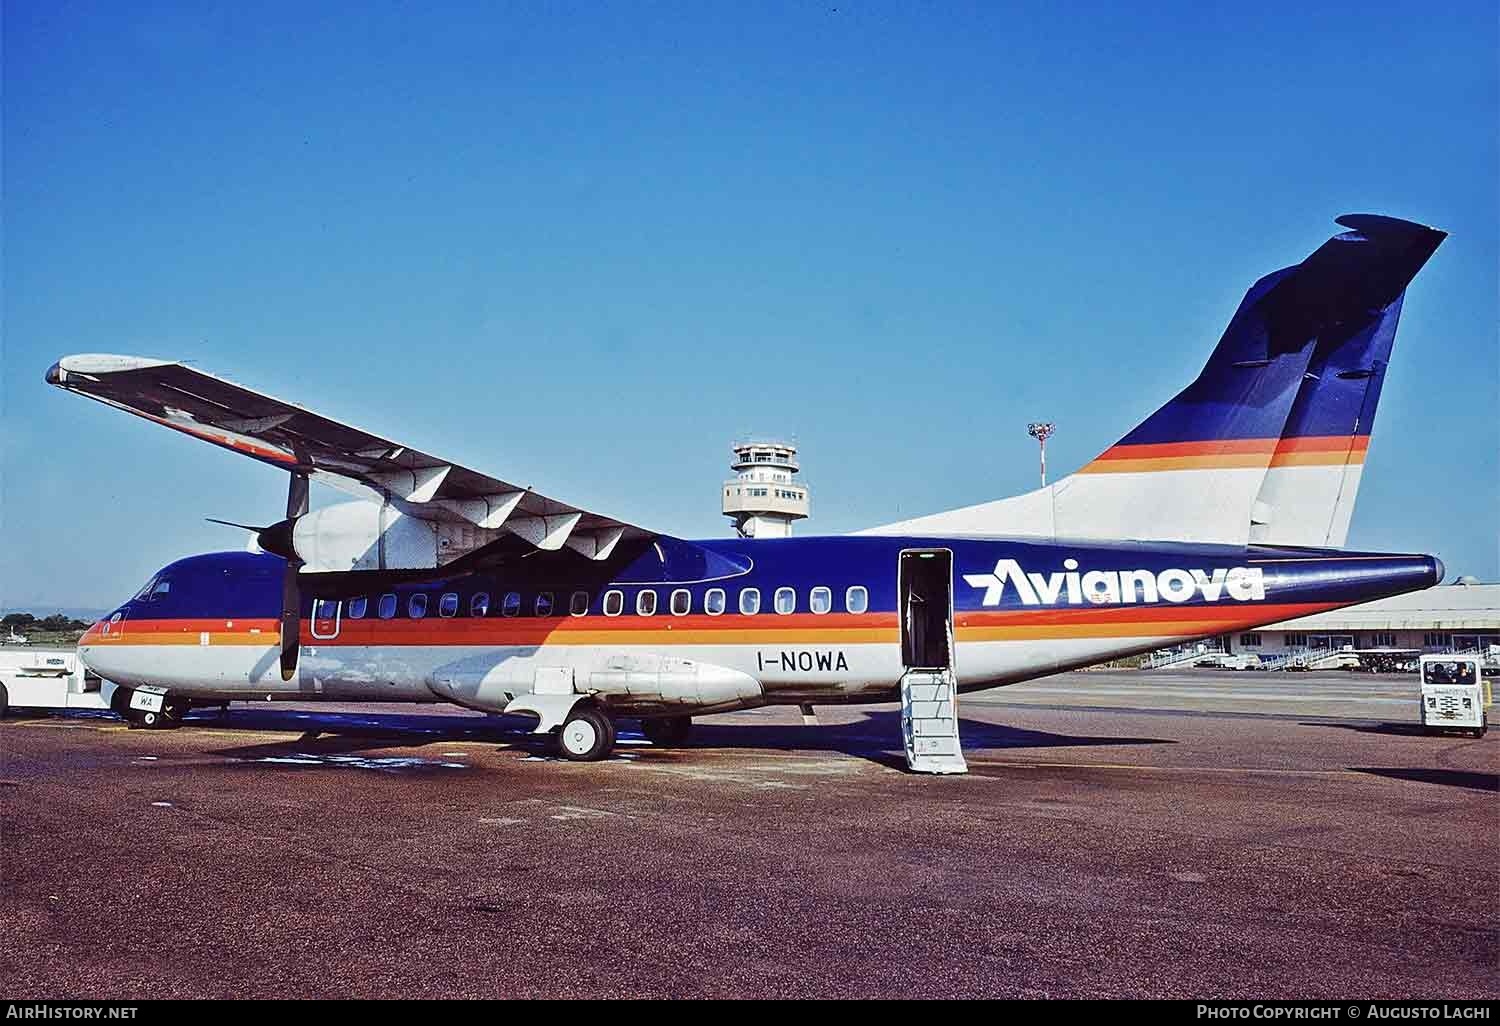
<point>1208,835</point>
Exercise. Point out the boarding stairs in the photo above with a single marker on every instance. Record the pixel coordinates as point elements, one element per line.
<point>929,722</point>
<point>1307,659</point>
<point>1173,657</point>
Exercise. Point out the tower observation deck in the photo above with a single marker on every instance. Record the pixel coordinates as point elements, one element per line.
<point>763,499</point>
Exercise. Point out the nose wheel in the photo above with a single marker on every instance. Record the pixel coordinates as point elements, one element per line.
<point>169,715</point>
<point>587,735</point>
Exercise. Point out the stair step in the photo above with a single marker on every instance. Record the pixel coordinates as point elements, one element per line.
<point>929,722</point>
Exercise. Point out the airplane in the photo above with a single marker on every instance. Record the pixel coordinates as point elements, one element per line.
<point>1225,510</point>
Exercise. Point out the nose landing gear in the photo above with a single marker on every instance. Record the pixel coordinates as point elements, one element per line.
<point>149,708</point>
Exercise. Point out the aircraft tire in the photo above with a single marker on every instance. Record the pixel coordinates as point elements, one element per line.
<point>4,701</point>
<point>587,735</point>
<point>667,731</point>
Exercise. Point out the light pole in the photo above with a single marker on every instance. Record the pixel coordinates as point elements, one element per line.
<point>1042,430</point>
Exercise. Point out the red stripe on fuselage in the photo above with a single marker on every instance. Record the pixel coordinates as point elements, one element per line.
<point>1070,621</point>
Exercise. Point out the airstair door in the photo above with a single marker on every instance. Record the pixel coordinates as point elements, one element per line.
<point>929,692</point>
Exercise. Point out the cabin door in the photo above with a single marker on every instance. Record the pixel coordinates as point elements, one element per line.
<point>924,586</point>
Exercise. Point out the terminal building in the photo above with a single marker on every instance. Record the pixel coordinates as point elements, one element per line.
<point>1453,618</point>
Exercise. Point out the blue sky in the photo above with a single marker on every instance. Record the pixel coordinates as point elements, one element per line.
<point>586,245</point>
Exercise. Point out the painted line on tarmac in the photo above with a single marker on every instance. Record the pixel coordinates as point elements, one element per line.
<point>1240,770</point>
<point>1220,696</point>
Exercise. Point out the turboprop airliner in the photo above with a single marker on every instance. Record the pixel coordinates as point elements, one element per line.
<point>1224,510</point>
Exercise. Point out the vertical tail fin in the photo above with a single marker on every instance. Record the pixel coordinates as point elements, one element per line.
<point>1292,385</point>
<point>1307,497</point>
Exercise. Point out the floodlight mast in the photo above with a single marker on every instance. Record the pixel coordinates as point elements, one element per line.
<point>1042,430</point>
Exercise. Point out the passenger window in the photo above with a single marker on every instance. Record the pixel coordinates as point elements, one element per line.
<point>750,601</point>
<point>357,607</point>
<point>820,601</point>
<point>544,603</point>
<point>857,599</point>
<point>416,606</point>
<point>479,605</point>
<point>645,603</point>
<point>578,605</point>
<point>161,588</point>
<point>325,609</point>
<point>448,604</point>
<point>614,603</point>
<point>786,601</point>
<point>510,605</point>
<point>713,601</point>
<point>387,607</point>
<point>682,602</point>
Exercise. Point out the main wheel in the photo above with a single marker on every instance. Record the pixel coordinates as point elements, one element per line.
<point>587,735</point>
<point>4,701</point>
<point>667,730</point>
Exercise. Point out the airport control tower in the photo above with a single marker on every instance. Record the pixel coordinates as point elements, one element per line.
<point>764,500</point>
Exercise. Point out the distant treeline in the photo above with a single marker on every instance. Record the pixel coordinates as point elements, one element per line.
<point>55,622</point>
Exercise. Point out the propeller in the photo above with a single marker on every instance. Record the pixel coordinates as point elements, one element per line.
<point>277,540</point>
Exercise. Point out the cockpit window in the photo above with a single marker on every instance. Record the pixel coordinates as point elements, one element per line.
<point>145,590</point>
<point>160,590</point>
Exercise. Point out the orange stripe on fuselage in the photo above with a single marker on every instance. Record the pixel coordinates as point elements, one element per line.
<point>730,629</point>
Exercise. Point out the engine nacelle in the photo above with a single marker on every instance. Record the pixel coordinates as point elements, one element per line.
<point>364,536</point>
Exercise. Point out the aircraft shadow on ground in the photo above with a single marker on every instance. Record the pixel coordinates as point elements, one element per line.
<point>877,736</point>
<point>1388,729</point>
<point>1448,778</point>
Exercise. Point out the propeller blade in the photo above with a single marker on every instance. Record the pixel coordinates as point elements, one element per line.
<point>230,523</point>
<point>296,495</point>
<point>291,620</point>
<point>291,596</point>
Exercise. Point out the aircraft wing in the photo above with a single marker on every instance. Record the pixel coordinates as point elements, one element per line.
<point>298,440</point>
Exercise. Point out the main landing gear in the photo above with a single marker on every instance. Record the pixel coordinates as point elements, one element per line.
<point>667,731</point>
<point>587,735</point>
